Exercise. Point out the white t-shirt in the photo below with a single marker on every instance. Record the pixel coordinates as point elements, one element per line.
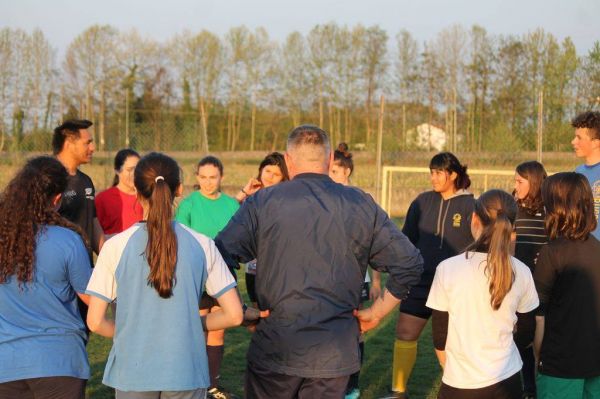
<point>480,350</point>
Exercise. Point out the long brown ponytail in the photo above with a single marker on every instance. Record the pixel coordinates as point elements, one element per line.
<point>497,211</point>
<point>157,179</point>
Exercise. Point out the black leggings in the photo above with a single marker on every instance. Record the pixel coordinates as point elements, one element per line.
<point>509,388</point>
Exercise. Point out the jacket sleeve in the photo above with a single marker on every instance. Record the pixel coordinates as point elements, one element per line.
<point>237,241</point>
<point>393,253</point>
<point>411,223</point>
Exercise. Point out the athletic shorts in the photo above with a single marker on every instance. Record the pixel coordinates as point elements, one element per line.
<point>549,387</point>
<point>509,388</point>
<point>414,304</point>
<point>199,393</point>
<point>44,388</point>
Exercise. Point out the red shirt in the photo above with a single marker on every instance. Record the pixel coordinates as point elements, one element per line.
<point>117,211</point>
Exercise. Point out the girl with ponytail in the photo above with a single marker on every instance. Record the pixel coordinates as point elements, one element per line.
<point>158,269</point>
<point>478,298</point>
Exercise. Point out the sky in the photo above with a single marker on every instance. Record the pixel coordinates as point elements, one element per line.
<point>62,20</point>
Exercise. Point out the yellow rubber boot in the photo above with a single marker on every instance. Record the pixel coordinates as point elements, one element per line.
<point>405,355</point>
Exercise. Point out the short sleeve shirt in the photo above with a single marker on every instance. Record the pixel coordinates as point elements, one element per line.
<point>480,350</point>
<point>171,327</point>
<point>592,173</point>
<point>41,331</point>
<point>205,215</point>
<point>117,211</point>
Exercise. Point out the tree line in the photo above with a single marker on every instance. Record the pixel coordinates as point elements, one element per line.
<point>244,91</point>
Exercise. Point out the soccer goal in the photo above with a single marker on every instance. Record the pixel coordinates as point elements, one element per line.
<point>401,184</point>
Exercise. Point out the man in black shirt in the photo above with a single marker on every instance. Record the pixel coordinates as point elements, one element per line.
<point>73,145</point>
<point>313,240</point>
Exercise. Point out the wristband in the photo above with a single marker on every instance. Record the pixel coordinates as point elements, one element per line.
<point>245,193</point>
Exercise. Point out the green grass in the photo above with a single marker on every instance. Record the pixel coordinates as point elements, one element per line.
<point>374,378</point>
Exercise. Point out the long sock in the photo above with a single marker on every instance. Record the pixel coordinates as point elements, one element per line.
<point>353,381</point>
<point>405,355</point>
<point>215,356</point>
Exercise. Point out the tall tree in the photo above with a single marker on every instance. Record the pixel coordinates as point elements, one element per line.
<point>199,60</point>
<point>91,70</point>
<point>374,66</point>
<point>406,75</point>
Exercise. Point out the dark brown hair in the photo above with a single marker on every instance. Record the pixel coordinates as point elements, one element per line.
<point>120,159</point>
<point>588,120</point>
<point>274,158</point>
<point>497,210</point>
<point>534,173</point>
<point>569,206</point>
<point>25,209</point>
<point>69,128</point>
<point>449,162</point>
<point>343,157</point>
<point>157,179</point>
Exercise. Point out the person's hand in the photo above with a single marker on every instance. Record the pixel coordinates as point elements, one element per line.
<point>366,319</point>
<point>375,291</point>
<point>252,186</point>
<point>252,316</point>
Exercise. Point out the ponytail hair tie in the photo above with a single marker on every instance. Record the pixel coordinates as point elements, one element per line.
<point>157,178</point>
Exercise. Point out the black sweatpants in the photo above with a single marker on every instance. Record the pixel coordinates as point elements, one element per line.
<point>509,388</point>
<point>265,384</point>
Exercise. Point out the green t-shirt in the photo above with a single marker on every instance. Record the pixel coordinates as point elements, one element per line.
<point>205,215</point>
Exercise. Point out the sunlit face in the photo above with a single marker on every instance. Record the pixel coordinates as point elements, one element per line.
<point>271,175</point>
<point>442,181</point>
<point>583,144</point>
<point>521,187</point>
<point>126,173</point>
<point>339,174</point>
<point>82,148</point>
<point>209,179</point>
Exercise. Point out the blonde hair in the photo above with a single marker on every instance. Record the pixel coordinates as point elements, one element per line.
<point>497,211</point>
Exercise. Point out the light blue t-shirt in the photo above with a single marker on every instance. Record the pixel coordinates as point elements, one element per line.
<point>592,173</point>
<point>41,331</point>
<point>159,342</point>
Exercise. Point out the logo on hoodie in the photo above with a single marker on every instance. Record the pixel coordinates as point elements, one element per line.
<point>456,220</point>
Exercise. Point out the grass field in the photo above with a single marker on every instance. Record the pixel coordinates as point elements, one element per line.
<point>374,378</point>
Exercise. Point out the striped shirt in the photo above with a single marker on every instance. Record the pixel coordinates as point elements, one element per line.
<point>531,235</point>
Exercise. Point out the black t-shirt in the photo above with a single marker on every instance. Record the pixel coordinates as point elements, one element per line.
<point>567,278</point>
<point>77,204</point>
<point>531,235</point>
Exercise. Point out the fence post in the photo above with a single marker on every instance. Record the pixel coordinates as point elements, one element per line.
<point>127,117</point>
<point>379,149</point>
<point>540,125</point>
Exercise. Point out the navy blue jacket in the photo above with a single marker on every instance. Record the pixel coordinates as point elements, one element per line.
<point>313,240</point>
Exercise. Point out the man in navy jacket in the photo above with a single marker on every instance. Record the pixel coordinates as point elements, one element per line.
<point>313,240</point>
